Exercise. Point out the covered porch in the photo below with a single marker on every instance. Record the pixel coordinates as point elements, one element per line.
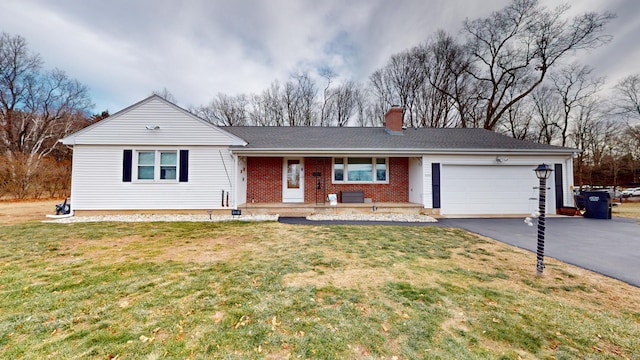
<point>307,181</point>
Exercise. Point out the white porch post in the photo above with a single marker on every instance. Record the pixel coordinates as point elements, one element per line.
<point>235,180</point>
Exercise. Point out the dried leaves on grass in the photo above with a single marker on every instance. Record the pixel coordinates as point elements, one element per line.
<point>271,290</point>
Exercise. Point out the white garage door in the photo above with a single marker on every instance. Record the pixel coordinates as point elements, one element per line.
<point>486,190</point>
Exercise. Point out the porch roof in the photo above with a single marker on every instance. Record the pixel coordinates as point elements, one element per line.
<point>378,139</point>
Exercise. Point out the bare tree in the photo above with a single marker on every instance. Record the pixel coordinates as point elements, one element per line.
<point>448,71</point>
<point>515,48</point>
<point>595,133</point>
<point>292,103</point>
<point>53,106</point>
<point>520,123</point>
<point>267,109</point>
<point>547,108</point>
<point>19,70</point>
<point>627,96</point>
<point>298,97</point>
<point>382,95</point>
<point>225,110</point>
<point>36,109</point>
<point>407,75</point>
<point>165,94</point>
<point>400,82</point>
<point>329,75</point>
<point>344,101</point>
<point>307,93</point>
<point>574,85</point>
<point>363,108</point>
<point>631,144</point>
<point>627,104</point>
<point>435,105</point>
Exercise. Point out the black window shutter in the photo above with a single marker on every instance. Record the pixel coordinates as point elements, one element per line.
<point>435,184</point>
<point>127,165</point>
<point>558,183</point>
<point>184,165</point>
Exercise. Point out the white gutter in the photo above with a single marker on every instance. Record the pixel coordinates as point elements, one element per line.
<point>398,152</point>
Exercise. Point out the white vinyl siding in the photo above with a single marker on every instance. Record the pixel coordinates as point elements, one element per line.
<point>97,181</point>
<point>153,122</point>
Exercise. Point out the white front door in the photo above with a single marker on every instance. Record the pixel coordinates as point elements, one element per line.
<point>293,180</point>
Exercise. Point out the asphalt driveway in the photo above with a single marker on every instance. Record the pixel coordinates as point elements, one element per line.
<point>610,247</point>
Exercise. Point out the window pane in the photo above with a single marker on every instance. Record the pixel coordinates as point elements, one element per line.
<point>168,158</point>
<point>146,157</point>
<point>293,174</point>
<point>338,170</point>
<point>167,172</point>
<point>359,169</point>
<point>145,172</point>
<point>381,170</point>
<point>146,162</point>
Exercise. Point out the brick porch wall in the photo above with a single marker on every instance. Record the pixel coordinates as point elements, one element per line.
<point>264,181</point>
<point>397,190</point>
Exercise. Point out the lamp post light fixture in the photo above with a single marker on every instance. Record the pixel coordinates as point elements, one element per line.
<point>542,172</point>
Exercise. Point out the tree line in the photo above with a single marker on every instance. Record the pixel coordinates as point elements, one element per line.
<point>37,107</point>
<point>511,72</point>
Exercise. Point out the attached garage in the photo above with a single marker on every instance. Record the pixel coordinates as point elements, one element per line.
<point>491,189</point>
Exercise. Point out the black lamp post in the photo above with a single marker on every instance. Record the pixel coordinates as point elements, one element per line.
<point>542,172</point>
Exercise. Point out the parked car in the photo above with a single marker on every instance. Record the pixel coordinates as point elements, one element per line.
<point>630,192</point>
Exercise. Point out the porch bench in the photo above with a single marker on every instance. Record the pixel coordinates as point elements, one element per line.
<point>356,196</point>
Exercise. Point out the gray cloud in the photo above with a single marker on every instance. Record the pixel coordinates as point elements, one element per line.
<point>123,49</point>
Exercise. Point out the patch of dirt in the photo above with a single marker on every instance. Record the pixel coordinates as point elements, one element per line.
<point>342,278</point>
<point>457,320</point>
<point>16,212</point>
<point>359,278</point>
<point>137,248</point>
<point>204,250</point>
<point>105,251</point>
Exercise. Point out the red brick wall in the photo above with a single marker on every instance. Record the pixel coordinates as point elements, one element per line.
<point>264,181</point>
<point>397,190</point>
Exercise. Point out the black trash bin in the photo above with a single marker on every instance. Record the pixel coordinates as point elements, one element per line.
<point>597,205</point>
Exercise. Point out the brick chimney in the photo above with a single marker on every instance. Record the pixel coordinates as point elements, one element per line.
<point>393,120</point>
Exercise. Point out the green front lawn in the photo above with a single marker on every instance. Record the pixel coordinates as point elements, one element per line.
<point>269,290</point>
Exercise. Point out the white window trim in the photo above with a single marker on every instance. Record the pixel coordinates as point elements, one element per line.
<point>156,167</point>
<point>345,160</point>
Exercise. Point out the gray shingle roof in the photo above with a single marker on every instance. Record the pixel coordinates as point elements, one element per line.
<point>378,139</point>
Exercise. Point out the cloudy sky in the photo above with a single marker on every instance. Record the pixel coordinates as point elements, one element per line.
<point>125,49</point>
